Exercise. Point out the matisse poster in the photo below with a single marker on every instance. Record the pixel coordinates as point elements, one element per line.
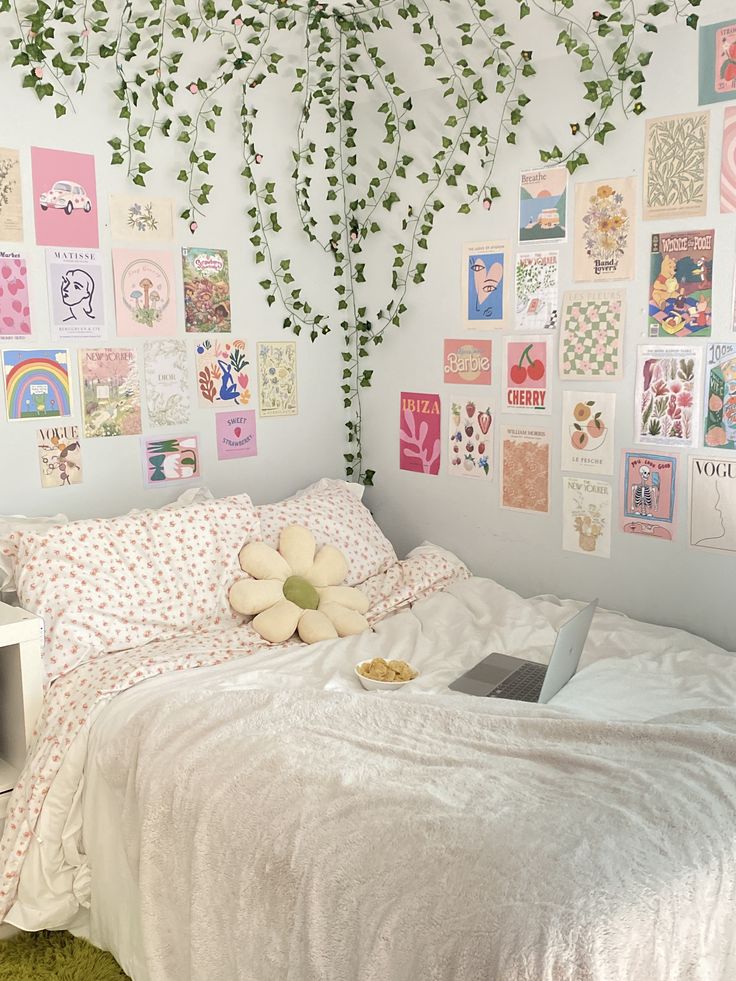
<point>145,304</point>
<point>59,456</point>
<point>591,336</point>
<point>36,384</point>
<point>15,314</point>
<point>236,434</point>
<point>537,294</point>
<point>681,284</point>
<point>525,466</point>
<point>419,432</point>
<point>169,459</point>
<point>76,300</point>
<point>470,438</point>
<point>467,362</point>
<point>111,393</point>
<point>167,382</point>
<point>277,388</point>
<point>543,205</point>
<point>605,230</point>
<point>526,378</point>
<point>65,198</point>
<point>717,62</point>
<point>668,395</point>
<point>586,510</point>
<point>223,376</point>
<point>484,285</point>
<point>11,203</point>
<point>728,162</point>
<point>141,218</point>
<point>648,488</point>
<point>588,420</point>
<point>676,166</point>
<point>713,503</point>
<point>720,396</point>
<point>206,291</point>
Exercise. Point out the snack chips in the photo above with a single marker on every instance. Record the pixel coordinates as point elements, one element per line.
<point>380,670</point>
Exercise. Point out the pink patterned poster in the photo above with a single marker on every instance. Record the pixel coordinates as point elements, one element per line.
<point>419,433</point>
<point>236,434</point>
<point>728,163</point>
<point>15,320</point>
<point>64,198</point>
<point>144,293</point>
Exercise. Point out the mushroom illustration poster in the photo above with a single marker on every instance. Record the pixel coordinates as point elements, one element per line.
<point>36,384</point>
<point>144,293</point>
<point>586,510</point>
<point>139,218</point>
<point>543,205</point>
<point>681,284</point>
<point>470,439</point>
<point>64,198</point>
<point>648,487</point>
<point>717,63</point>
<point>170,459</point>
<point>166,378</point>
<point>525,455</point>
<point>713,503</point>
<point>277,391</point>
<point>11,204</point>
<point>591,337</point>
<point>676,167</point>
<point>526,377</point>
<point>236,434</point>
<point>59,456</point>
<point>222,373</point>
<point>467,362</point>
<point>728,162</point>
<point>588,431</point>
<point>15,314</point>
<point>605,230</point>
<point>206,291</point>
<point>720,396</point>
<point>484,286</point>
<point>76,302</point>
<point>111,393</point>
<point>667,402</point>
<point>537,295</point>
<point>419,433</point>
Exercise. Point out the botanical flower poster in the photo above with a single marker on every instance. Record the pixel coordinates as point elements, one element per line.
<point>591,337</point>
<point>543,205</point>
<point>537,295</point>
<point>526,375</point>
<point>76,296</point>
<point>586,513</point>
<point>145,303</point>
<point>59,456</point>
<point>11,204</point>
<point>484,285</point>
<point>206,291</point>
<point>588,427</point>
<point>728,162</point>
<point>223,378</point>
<point>166,378</point>
<point>681,284</point>
<point>236,434</point>
<point>140,218</point>
<point>676,167</point>
<point>470,439</point>
<point>667,401</point>
<point>277,388</point>
<point>467,362</point>
<point>15,313</point>
<point>419,433</point>
<point>720,396</point>
<point>525,460</point>
<point>65,198</point>
<point>170,459</point>
<point>36,384</point>
<point>648,490</point>
<point>713,503</point>
<point>717,63</point>
<point>111,393</point>
<point>605,230</point>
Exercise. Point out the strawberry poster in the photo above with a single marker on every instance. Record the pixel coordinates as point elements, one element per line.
<point>681,284</point>
<point>720,394</point>
<point>588,431</point>
<point>728,162</point>
<point>236,434</point>
<point>470,440</point>
<point>206,291</point>
<point>717,67</point>
<point>467,362</point>
<point>525,459</point>
<point>170,459</point>
<point>419,433</point>
<point>64,198</point>
<point>526,375</point>
<point>144,293</point>
<point>648,487</point>
<point>15,314</point>
<point>586,510</point>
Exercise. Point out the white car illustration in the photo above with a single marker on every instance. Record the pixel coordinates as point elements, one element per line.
<point>67,196</point>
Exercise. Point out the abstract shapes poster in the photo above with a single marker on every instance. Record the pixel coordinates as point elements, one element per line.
<point>36,384</point>
<point>525,375</point>
<point>681,284</point>
<point>586,511</point>
<point>537,295</point>
<point>648,491</point>
<point>543,205</point>
<point>11,203</point>
<point>65,198</point>
<point>591,338</point>
<point>170,459</point>
<point>59,456</point>
<point>144,293</point>
<point>236,434</point>
<point>470,439</point>
<point>139,218</point>
<point>467,362</point>
<point>111,394</point>
<point>713,503</point>
<point>76,301</point>
<point>605,230</point>
<point>720,397</point>
<point>15,314</point>
<point>167,382</point>
<point>717,63</point>
<point>206,291</point>
<point>222,377</point>
<point>588,420</point>
<point>525,458</point>
<point>676,166</point>
<point>484,285</point>
<point>728,163</point>
<point>419,433</point>
<point>277,390</point>
<point>667,401</point>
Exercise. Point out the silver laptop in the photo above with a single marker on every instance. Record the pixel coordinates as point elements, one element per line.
<point>502,676</point>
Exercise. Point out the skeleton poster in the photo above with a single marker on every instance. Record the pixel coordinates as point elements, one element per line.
<point>648,491</point>
<point>668,395</point>
<point>484,285</point>
<point>470,439</point>
<point>681,284</point>
<point>676,167</point>
<point>588,431</point>
<point>586,510</point>
<point>720,396</point>
<point>713,503</point>
<point>537,295</point>
<point>76,299</point>
<point>605,230</point>
<point>525,461</point>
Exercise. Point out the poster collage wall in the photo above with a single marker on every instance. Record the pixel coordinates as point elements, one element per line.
<point>685,392</point>
<point>83,381</point>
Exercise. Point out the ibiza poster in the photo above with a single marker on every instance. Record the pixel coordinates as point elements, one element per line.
<point>36,384</point>
<point>419,432</point>
<point>76,295</point>
<point>543,205</point>
<point>485,285</point>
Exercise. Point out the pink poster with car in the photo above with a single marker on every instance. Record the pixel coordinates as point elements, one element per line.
<point>419,433</point>
<point>64,198</point>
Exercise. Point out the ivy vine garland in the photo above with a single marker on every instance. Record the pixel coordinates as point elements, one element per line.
<point>358,195</point>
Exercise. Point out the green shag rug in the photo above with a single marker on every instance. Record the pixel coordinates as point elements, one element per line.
<point>55,956</point>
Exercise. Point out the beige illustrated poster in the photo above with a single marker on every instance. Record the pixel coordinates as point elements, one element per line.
<point>140,218</point>
<point>586,514</point>
<point>676,167</point>
<point>11,206</point>
<point>605,230</point>
<point>525,455</point>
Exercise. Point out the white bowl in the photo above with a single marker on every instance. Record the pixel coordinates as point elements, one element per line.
<point>370,684</point>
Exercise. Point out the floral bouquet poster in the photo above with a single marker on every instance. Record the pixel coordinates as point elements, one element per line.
<point>605,230</point>
<point>144,293</point>
<point>586,509</point>
<point>667,402</point>
<point>206,291</point>
<point>36,384</point>
<point>537,294</point>
<point>720,394</point>
<point>170,459</point>
<point>717,63</point>
<point>543,205</point>
<point>111,394</point>
<point>470,440</point>
<point>648,485</point>
<point>59,456</point>
<point>526,377</point>
<point>588,431</point>
<point>419,433</point>
<point>140,218</point>
<point>11,204</point>
<point>484,285</point>
<point>64,198</point>
<point>525,459</point>
<point>15,314</point>
<point>681,284</point>
<point>222,378</point>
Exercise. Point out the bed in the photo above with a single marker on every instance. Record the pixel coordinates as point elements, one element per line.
<point>203,814</point>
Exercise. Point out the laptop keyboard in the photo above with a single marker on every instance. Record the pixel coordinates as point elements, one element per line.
<point>523,685</point>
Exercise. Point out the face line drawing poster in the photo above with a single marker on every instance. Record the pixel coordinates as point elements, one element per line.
<point>236,434</point>
<point>15,313</point>
<point>76,296</point>
<point>588,421</point>
<point>485,266</point>
<point>713,503</point>
<point>420,433</point>
<point>668,395</point>
<point>206,290</point>
<point>222,379</point>
<point>681,284</point>
<point>605,230</point>
<point>111,396</point>
<point>586,507</point>
<point>37,384</point>
<point>525,469</point>
<point>145,302</point>
<point>543,205</point>
<point>717,62</point>
<point>648,494</point>
<point>11,202</point>
<point>59,456</point>
<point>591,335</point>
<point>277,378</point>
<point>526,375</point>
<point>470,439</point>
<point>728,162</point>
<point>720,396</point>
<point>467,362</point>
<point>166,375</point>
<point>65,198</point>
<point>169,459</point>
<point>537,291</point>
<point>141,218</point>
<point>676,166</point>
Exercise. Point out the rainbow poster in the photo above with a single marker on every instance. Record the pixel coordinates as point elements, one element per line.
<point>36,384</point>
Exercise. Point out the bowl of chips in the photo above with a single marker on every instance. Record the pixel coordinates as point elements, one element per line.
<point>382,675</point>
